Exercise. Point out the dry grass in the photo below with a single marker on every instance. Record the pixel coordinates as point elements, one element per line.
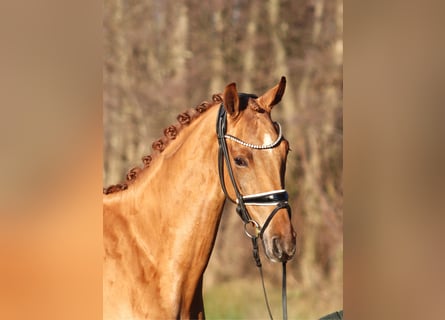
<point>243,299</point>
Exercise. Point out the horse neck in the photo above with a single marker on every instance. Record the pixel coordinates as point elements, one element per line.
<point>184,179</point>
<point>173,209</point>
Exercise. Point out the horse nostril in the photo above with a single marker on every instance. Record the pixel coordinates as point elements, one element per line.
<point>276,247</point>
<point>280,251</point>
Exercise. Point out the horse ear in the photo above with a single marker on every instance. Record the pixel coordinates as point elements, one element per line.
<point>273,96</point>
<point>231,100</point>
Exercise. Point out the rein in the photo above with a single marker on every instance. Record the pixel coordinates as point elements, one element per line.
<point>277,198</point>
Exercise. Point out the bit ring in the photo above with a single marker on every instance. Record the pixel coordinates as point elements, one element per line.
<point>255,225</point>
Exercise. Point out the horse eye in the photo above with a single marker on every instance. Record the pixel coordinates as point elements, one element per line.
<point>240,162</point>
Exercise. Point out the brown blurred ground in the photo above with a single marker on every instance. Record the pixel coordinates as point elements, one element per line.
<point>50,163</point>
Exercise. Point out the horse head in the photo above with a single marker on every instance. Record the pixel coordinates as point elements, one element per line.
<point>257,153</point>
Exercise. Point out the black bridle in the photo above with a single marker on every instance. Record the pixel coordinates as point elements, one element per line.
<point>277,198</point>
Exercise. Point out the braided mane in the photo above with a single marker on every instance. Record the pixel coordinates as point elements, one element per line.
<point>158,146</point>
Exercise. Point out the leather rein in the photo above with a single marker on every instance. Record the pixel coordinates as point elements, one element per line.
<point>277,198</point>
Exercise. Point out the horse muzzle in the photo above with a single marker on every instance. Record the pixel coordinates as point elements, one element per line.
<point>277,233</point>
<point>280,239</point>
<point>279,249</point>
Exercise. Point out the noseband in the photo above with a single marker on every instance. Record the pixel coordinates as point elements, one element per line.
<point>277,198</point>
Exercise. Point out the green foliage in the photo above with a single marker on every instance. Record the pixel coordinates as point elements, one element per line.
<point>243,299</point>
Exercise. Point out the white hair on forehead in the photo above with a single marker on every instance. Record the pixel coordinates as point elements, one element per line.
<point>267,139</point>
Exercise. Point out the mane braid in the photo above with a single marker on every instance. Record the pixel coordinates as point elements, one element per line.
<point>158,146</point>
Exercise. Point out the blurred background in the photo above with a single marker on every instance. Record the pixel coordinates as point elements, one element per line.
<point>163,57</point>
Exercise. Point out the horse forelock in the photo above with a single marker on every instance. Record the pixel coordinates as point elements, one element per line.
<point>158,146</point>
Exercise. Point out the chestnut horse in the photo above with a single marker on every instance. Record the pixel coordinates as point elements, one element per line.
<point>160,226</point>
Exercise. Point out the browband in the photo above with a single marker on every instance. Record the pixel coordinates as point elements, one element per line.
<point>256,146</point>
